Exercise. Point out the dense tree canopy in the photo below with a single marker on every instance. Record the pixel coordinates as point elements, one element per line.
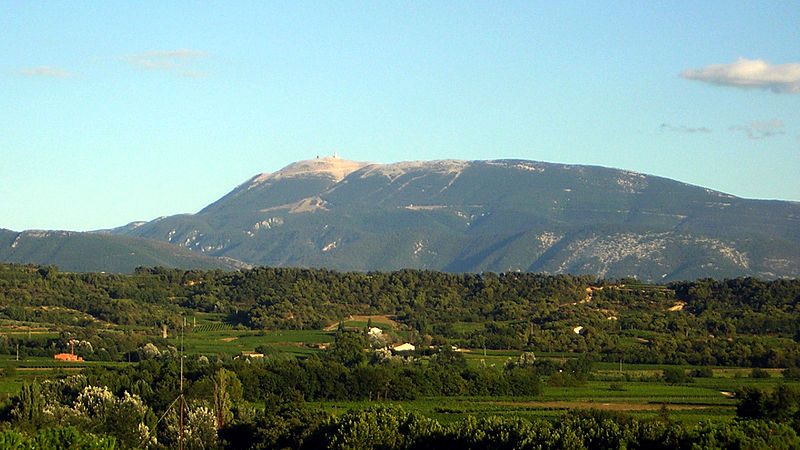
<point>744,321</point>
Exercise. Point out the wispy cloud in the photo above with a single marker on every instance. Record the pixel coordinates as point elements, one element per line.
<point>180,61</point>
<point>684,129</point>
<point>747,73</point>
<point>46,71</point>
<point>762,130</point>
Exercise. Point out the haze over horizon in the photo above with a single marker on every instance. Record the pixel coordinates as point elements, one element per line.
<point>116,112</point>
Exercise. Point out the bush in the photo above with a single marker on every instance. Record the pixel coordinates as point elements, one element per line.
<point>792,373</point>
<point>675,375</point>
<point>563,379</point>
<point>781,404</point>
<point>702,372</point>
<point>759,373</point>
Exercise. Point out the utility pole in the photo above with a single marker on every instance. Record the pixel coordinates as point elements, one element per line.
<point>180,355</point>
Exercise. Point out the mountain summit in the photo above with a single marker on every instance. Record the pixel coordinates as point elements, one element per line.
<point>502,215</point>
<point>332,166</point>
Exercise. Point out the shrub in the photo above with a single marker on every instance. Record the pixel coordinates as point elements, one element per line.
<point>562,379</point>
<point>792,373</point>
<point>675,375</point>
<point>702,372</point>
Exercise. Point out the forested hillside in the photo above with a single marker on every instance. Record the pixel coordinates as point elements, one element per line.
<point>743,321</point>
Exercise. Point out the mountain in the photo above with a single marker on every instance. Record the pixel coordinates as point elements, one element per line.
<point>474,216</point>
<point>94,252</point>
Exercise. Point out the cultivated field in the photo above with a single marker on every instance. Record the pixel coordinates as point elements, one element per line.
<point>642,395</point>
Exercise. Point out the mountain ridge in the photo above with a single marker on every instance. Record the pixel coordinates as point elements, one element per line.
<point>498,215</point>
<point>450,215</point>
<point>75,251</point>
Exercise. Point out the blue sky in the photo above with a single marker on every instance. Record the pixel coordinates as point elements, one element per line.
<point>120,111</point>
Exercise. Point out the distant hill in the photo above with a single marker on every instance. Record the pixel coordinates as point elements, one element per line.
<point>474,216</point>
<point>96,252</point>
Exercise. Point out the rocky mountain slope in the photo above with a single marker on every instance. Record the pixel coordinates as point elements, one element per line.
<point>472,216</point>
<point>96,252</point>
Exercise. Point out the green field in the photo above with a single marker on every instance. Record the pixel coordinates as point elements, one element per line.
<point>207,334</point>
<point>690,403</point>
<point>701,399</point>
<point>14,373</point>
<point>203,340</point>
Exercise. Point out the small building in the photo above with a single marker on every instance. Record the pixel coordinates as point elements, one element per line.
<point>67,357</point>
<point>577,330</point>
<point>375,332</point>
<point>71,356</point>
<point>405,347</point>
<point>247,354</point>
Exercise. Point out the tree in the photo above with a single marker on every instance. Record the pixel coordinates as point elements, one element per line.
<point>348,349</point>
<point>227,392</point>
<point>98,410</point>
<point>198,428</point>
<point>752,403</point>
<point>446,357</point>
<point>28,409</point>
<point>675,375</point>
<point>377,427</point>
<point>524,381</point>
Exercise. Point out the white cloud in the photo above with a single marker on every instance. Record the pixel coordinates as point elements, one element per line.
<point>46,71</point>
<point>762,130</point>
<point>179,60</point>
<point>746,73</point>
<point>684,129</point>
